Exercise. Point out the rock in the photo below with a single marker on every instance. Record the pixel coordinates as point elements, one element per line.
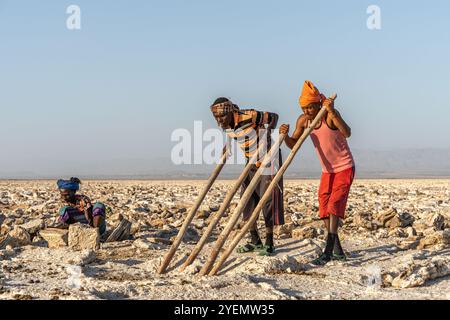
<point>160,240</point>
<point>158,223</point>
<point>82,237</point>
<point>202,214</point>
<point>146,245</point>
<point>284,231</point>
<point>436,240</point>
<point>411,232</point>
<point>398,232</point>
<point>2,218</point>
<point>384,216</point>
<point>56,238</point>
<point>305,232</point>
<point>364,220</point>
<point>409,243</point>
<point>193,268</point>
<point>382,234</point>
<point>296,218</point>
<point>400,221</point>
<point>391,219</point>
<point>18,237</point>
<point>191,235</point>
<point>437,221</point>
<point>199,224</point>
<point>33,226</point>
<point>417,273</point>
<point>177,223</point>
<point>214,207</point>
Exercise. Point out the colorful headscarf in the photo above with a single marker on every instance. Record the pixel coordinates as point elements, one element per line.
<point>68,185</point>
<point>223,108</point>
<point>310,94</point>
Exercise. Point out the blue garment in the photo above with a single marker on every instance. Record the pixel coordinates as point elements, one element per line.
<point>68,185</point>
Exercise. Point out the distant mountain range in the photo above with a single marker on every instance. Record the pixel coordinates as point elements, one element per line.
<point>395,163</point>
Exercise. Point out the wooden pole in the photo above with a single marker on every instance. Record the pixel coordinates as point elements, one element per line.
<point>224,206</point>
<point>266,197</point>
<point>237,211</point>
<point>165,263</point>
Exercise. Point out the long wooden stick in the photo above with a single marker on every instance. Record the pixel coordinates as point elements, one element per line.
<point>224,206</point>
<point>268,194</point>
<point>165,263</point>
<point>237,211</point>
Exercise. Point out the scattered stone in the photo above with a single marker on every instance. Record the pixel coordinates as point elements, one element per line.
<point>158,223</point>
<point>384,216</point>
<point>82,236</point>
<point>160,240</point>
<point>409,244</point>
<point>146,245</point>
<point>199,224</point>
<point>202,214</point>
<point>400,221</point>
<point>411,232</point>
<point>437,221</point>
<point>191,236</point>
<point>17,237</point>
<point>284,231</point>
<point>305,232</point>
<point>33,226</point>
<point>364,220</point>
<point>417,273</point>
<point>437,240</point>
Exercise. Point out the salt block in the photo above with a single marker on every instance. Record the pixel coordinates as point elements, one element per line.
<point>82,237</point>
<point>56,238</point>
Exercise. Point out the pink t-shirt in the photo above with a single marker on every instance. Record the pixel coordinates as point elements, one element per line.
<point>332,149</point>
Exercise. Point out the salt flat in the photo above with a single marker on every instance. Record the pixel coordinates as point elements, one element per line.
<point>397,238</point>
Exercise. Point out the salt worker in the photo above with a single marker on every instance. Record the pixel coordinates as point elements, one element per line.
<point>247,127</point>
<point>78,208</point>
<point>338,166</point>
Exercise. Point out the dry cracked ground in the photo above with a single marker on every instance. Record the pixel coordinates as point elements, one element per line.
<point>396,236</point>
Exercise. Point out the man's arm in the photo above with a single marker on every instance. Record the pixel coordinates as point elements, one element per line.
<point>97,221</point>
<point>342,126</point>
<point>299,128</point>
<point>335,118</point>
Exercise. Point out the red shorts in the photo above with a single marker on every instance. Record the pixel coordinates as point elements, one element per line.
<point>333,193</point>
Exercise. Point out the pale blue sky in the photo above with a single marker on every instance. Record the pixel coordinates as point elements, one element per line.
<point>140,69</point>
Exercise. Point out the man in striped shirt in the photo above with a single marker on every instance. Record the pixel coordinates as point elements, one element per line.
<point>248,127</point>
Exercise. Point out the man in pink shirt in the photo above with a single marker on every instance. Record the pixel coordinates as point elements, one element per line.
<point>338,167</point>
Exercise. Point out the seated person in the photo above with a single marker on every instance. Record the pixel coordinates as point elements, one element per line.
<point>78,208</point>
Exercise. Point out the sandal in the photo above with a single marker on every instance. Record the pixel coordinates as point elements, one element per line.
<point>322,260</point>
<point>249,247</point>
<point>338,257</point>
<point>266,251</point>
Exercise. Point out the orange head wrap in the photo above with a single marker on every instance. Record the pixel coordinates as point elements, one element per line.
<point>310,94</point>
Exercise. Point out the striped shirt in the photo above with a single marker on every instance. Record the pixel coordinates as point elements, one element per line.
<point>248,129</point>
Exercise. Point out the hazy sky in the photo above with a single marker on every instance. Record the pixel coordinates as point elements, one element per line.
<point>137,70</point>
